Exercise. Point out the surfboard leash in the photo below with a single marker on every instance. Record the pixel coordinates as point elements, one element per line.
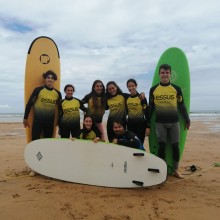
<point>193,173</point>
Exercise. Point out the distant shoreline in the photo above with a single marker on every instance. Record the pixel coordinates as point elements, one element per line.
<point>18,117</point>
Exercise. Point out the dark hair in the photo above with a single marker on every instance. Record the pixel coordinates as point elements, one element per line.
<point>165,66</point>
<point>50,72</point>
<point>133,81</point>
<point>94,95</point>
<point>119,91</point>
<point>69,85</point>
<point>119,121</point>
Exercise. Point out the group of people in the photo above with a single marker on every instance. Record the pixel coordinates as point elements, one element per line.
<point>129,113</point>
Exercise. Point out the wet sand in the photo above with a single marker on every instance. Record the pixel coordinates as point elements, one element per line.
<point>40,197</point>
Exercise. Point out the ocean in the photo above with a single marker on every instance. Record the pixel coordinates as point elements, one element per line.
<point>194,116</point>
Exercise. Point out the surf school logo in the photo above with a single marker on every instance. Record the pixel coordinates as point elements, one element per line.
<point>174,76</point>
<point>44,59</point>
<point>39,156</point>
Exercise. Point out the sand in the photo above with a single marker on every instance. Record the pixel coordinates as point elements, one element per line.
<point>196,197</point>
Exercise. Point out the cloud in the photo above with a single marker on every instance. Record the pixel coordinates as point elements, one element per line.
<point>112,39</point>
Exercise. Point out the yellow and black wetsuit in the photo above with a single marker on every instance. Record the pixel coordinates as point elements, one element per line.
<point>88,134</point>
<point>138,116</point>
<point>166,99</point>
<point>117,110</point>
<point>69,121</point>
<point>97,109</point>
<point>44,101</point>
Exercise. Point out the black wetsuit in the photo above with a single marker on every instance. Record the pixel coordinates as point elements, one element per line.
<point>138,116</point>
<point>96,110</point>
<point>69,120</point>
<point>44,101</point>
<point>129,139</point>
<point>166,99</point>
<point>88,135</point>
<point>117,110</point>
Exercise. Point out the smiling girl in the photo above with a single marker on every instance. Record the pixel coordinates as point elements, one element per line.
<point>89,130</point>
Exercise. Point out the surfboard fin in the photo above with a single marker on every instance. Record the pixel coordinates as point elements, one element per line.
<point>153,170</point>
<point>138,154</point>
<point>138,183</point>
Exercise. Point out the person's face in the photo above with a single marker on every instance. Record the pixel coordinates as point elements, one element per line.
<point>118,129</point>
<point>49,81</point>
<point>88,123</point>
<point>165,76</point>
<point>132,88</point>
<point>69,92</point>
<point>98,88</point>
<point>112,89</point>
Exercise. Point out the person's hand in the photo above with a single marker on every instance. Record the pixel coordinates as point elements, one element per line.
<point>187,125</point>
<point>25,123</point>
<point>142,96</point>
<point>147,132</point>
<point>115,141</point>
<point>95,140</point>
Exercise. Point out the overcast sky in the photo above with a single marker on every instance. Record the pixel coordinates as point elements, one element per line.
<point>112,40</point>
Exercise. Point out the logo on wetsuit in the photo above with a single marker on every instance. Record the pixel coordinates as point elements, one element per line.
<point>70,110</point>
<point>49,101</point>
<point>164,97</point>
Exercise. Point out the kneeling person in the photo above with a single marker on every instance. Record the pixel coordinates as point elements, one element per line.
<point>124,137</point>
<point>89,130</point>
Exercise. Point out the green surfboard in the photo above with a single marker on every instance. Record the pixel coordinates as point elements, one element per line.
<point>180,76</point>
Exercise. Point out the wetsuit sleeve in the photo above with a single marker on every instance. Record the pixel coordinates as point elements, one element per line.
<point>31,101</point>
<point>181,105</point>
<point>60,112</point>
<point>97,132</point>
<point>146,112</point>
<point>82,107</point>
<point>130,140</point>
<point>106,105</point>
<point>151,101</point>
<point>86,99</point>
<point>79,134</point>
<point>125,95</point>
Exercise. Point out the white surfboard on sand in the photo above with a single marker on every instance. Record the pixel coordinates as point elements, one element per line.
<point>100,164</point>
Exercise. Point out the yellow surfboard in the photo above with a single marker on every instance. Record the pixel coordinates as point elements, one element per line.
<point>43,55</point>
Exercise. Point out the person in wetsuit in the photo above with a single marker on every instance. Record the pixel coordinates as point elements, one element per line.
<point>115,103</point>
<point>166,98</point>
<point>44,100</point>
<point>89,130</point>
<point>137,112</point>
<point>96,104</point>
<point>125,137</point>
<point>69,118</point>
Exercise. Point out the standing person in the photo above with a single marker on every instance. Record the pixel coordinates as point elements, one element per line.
<point>96,104</point>
<point>166,98</point>
<point>115,102</point>
<point>69,118</point>
<point>138,112</point>
<point>125,137</point>
<point>89,130</point>
<point>44,99</point>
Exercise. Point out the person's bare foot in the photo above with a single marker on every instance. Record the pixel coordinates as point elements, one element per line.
<point>177,174</point>
<point>32,173</point>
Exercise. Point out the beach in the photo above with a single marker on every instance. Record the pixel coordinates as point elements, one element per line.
<point>195,197</point>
